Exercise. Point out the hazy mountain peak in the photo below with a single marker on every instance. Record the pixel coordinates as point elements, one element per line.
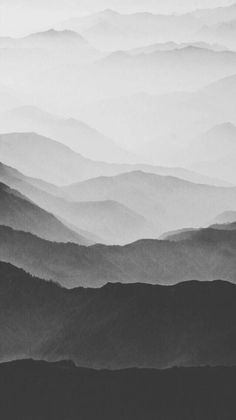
<point>109,13</point>
<point>224,133</point>
<point>53,33</point>
<point>30,111</point>
<point>227,125</point>
<point>34,138</point>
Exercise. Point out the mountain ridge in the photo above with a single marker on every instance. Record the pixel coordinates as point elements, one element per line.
<point>140,320</point>
<point>207,255</point>
<point>20,213</point>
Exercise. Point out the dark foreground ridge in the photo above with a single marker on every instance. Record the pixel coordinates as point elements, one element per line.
<point>119,325</point>
<point>31,390</point>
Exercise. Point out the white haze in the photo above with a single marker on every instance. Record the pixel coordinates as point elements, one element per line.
<point>19,17</point>
<point>124,81</point>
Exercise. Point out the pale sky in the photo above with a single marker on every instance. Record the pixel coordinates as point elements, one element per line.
<point>19,17</point>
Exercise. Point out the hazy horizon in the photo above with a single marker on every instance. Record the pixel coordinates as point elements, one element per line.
<point>21,17</point>
<point>117,209</point>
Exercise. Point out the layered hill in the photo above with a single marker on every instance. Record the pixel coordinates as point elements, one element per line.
<point>167,202</point>
<point>225,226</point>
<point>26,152</point>
<point>20,213</point>
<point>75,134</point>
<point>117,326</point>
<point>172,129</point>
<point>226,217</point>
<point>60,389</point>
<point>112,222</point>
<point>99,221</point>
<point>208,254</point>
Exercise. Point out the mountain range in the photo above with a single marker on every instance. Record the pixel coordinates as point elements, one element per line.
<point>191,233</point>
<point>204,254</point>
<point>71,132</point>
<point>226,217</point>
<point>111,30</point>
<point>117,210</point>
<point>26,152</point>
<point>95,76</point>
<point>165,128</point>
<point>102,221</point>
<point>167,202</point>
<point>20,213</point>
<point>122,208</point>
<point>117,326</point>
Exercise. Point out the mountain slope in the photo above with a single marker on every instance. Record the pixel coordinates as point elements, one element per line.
<point>15,179</point>
<point>208,254</point>
<point>73,133</point>
<point>118,325</point>
<point>190,233</point>
<point>216,143</point>
<point>161,127</point>
<point>110,30</point>
<point>26,152</point>
<point>225,226</point>
<point>226,217</point>
<point>101,221</point>
<point>168,203</point>
<point>109,220</point>
<point>19,213</point>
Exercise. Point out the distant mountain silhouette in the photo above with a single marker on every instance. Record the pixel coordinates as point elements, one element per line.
<point>94,77</point>
<point>20,213</point>
<point>216,15</point>
<point>223,32</point>
<point>190,234</point>
<point>167,202</point>
<point>71,132</point>
<point>98,221</point>
<point>177,234</point>
<point>171,46</point>
<point>117,326</point>
<point>15,179</point>
<point>226,217</point>
<point>206,254</point>
<point>26,152</point>
<point>50,39</point>
<point>55,391</point>
<point>158,72</point>
<point>108,220</point>
<point>204,234</point>
<point>225,226</point>
<point>104,29</point>
<point>216,143</point>
<point>173,123</point>
<point>109,29</point>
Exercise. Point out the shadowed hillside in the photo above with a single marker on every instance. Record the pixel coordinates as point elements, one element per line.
<point>117,326</point>
<point>20,213</point>
<point>60,391</point>
<point>207,254</point>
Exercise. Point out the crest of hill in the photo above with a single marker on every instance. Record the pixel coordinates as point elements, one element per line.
<point>21,213</point>
<point>42,320</point>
